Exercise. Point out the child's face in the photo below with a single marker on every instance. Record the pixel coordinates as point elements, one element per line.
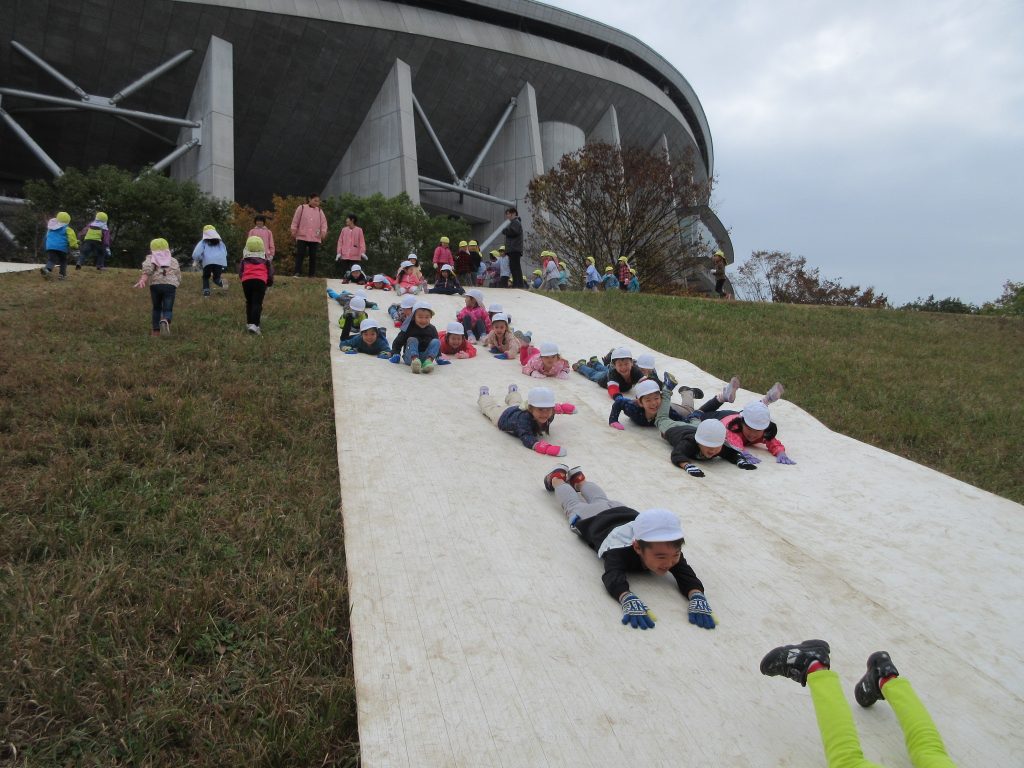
<point>623,366</point>
<point>651,403</point>
<point>422,318</point>
<point>659,557</point>
<point>709,453</point>
<point>455,340</point>
<point>752,435</point>
<point>648,372</point>
<point>405,312</point>
<point>500,326</point>
<point>541,415</point>
<point>548,361</point>
<point>370,336</point>
<point>470,302</point>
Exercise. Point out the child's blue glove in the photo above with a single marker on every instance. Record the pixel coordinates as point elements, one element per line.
<point>442,361</point>
<point>501,356</point>
<point>495,350</point>
<point>634,612</point>
<point>332,293</point>
<point>350,350</point>
<point>384,355</point>
<point>782,458</point>
<point>700,611</point>
<point>749,457</point>
<point>396,359</point>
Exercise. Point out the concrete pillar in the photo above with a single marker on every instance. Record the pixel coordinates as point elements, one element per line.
<point>558,139</point>
<point>661,147</point>
<point>212,164</point>
<point>382,156</point>
<point>607,129</point>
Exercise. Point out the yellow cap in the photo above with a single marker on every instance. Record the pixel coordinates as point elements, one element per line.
<point>591,259</point>
<point>495,254</point>
<point>463,244</point>
<point>255,245</point>
<point>101,216</point>
<point>537,272</point>
<point>208,227</point>
<point>64,217</point>
<point>445,240</point>
<point>623,258</point>
<point>502,248</point>
<point>159,244</point>
<point>472,242</point>
<point>561,264</point>
<point>719,253</point>
<point>632,271</point>
<point>607,269</point>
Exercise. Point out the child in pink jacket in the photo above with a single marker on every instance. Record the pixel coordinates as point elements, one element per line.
<point>543,362</point>
<point>474,317</point>
<point>443,255</point>
<point>754,425</point>
<point>408,278</point>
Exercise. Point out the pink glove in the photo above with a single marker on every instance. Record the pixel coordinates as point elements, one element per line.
<point>616,425</point>
<point>555,450</point>
<point>541,447</point>
<point>565,408</point>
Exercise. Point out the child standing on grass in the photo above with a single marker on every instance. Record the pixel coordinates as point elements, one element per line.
<point>261,231</point>
<point>454,344</point>
<point>211,254</point>
<point>443,255</point>
<point>592,277</point>
<point>95,242</point>
<point>501,342</point>
<point>60,240</point>
<point>563,276</point>
<point>610,281</point>
<point>504,269</point>
<point>465,269</point>
<point>473,316</point>
<point>541,362</point>
<point>369,341</point>
<point>163,273</point>
<point>256,272</point>
<point>527,421</point>
<point>629,541</point>
<point>417,344</point>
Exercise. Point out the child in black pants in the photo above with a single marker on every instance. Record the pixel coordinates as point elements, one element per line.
<point>628,541</point>
<point>257,274</point>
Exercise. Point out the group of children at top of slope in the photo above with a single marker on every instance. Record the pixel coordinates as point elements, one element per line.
<point>162,272</point>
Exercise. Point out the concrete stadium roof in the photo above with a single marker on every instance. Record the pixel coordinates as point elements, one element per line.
<point>306,73</point>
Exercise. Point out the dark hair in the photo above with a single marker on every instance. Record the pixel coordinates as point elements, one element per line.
<point>213,241</point>
<point>310,197</point>
<point>678,543</point>
<point>259,218</point>
<point>355,219</point>
<point>512,210</point>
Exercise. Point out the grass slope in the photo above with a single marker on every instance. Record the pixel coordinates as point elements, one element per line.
<point>172,573</point>
<point>943,390</point>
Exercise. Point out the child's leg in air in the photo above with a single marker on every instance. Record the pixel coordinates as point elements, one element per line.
<point>527,351</point>
<point>924,744</point>
<point>513,398</point>
<point>835,722</point>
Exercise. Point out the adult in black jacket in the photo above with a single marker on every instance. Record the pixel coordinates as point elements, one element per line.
<point>514,246</point>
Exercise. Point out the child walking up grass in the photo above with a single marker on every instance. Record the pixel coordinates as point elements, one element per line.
<point>163,273</point>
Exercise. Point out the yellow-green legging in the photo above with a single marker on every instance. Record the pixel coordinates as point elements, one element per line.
<point>839,734</point>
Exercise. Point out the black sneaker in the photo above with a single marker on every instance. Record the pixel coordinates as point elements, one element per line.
<point>792,661</point>
<point>867,690</point>
<point>698,393</point>
<point>561,470</point>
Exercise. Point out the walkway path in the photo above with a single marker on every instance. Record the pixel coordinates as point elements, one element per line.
<point>483,636</point>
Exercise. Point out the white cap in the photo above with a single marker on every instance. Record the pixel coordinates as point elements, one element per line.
<point>478,295</point>
<point>755,415</point>
<point>447,268</point>
<point>412,257</point>
<point>369,324</point>
<point>646,387</point>
<point>405,264</point>
<point>710,433</point>
<point>422,305</point>
<point>379,279</point>
<point>356,268</point>
<point>358,304</point>
<point>622,353</point>
<point>361,293</point>
<point>455,328</point>
<point>407,301</point>
<point>495,308</point>
<point>657,525</point>
<point>541,397</point>
<point>499,316</point>
<point>548,348</point>
<point>646,360</point>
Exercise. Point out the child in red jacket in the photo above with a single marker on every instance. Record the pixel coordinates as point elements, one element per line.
<point>454,344</point>
<point>257,274</point>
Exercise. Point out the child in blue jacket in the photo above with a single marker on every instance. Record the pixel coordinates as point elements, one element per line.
<point>211,254</point>
<point>528,421</point>
<point>369,341</point>
<point>60,240</point>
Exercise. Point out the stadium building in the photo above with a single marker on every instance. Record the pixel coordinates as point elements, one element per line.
<point>458,103</point>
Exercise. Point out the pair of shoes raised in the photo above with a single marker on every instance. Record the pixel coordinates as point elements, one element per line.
<point>422,366</point>
<point>572,476</point>
<point>794,662</point>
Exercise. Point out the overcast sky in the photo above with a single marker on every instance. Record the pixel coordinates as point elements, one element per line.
<point>882,140</point>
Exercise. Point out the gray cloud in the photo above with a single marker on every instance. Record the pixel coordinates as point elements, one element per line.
<point>883,141</point>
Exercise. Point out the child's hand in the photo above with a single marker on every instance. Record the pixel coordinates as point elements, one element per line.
<point>350,350</point>
<point>443,361</point>
<point>396,359</point>
<point>501,356</point>
<point>744,464</point>
<point>461,355</point>
<point>615,425</point>
<point>700,611</point>
<point>782,458</point>
<point>749,457</point>
<point>384,355</point>
<point>141,283</point>
<point>635,612</point>
<point>566,409</point>
<point>547,449</point>
<point>693,470</point>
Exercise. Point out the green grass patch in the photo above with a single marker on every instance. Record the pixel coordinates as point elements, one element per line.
<point>942,390</point>
<point>172,571</point>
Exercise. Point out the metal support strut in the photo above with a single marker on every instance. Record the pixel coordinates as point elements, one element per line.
<point>433,137</point>
<point>29,142</point>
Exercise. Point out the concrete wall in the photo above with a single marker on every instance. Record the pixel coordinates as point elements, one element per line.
<point>212,164</point>
<point>607,129</point>
<point>382,156</point>
<point>557,139</point>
